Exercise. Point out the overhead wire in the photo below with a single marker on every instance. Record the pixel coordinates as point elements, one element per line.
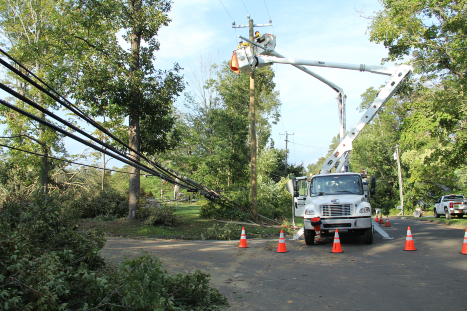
<point>245,8</point>
<point>64,160</point>
<point>73,108</point>
<point>226,10</point>
<point>161,171</point>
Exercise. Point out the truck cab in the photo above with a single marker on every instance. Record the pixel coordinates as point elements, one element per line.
<point>337,201</point>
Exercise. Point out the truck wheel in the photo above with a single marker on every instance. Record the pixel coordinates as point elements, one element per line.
<point>368,237</point>
<point>309,237</point>
<point>460,215</point>
<point>446,212</point>
<point>436,214</point>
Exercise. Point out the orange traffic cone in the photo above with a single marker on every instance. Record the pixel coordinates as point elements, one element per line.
<point>387,222</point>
<point>381,220</point>
<point>336,246</point>
<point>464,245</point>
<point>243,243</point>
<point>376,219</point>
<point>409,246</point>
<point>234,63</point>
<point>281,247</point>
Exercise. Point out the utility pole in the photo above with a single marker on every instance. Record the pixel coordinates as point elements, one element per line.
<point>254,187</point>
<point>286,140</point>
<point>397,158</point>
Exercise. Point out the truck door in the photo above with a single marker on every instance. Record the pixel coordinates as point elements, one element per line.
<point>300,200</point>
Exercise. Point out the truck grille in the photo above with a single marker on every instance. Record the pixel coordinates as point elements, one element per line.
<point>335,210</point>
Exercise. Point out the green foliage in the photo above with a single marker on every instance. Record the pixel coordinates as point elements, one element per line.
<point>46,263</point>
<point>161,215</point>
<point>273,202</point>
<point>146,286</point>
<point>432,136</point>
<point>93,203</point>
<point>219,210</point>
<point>315,168</point>
<point>215,147</point>
<point>217,232</point>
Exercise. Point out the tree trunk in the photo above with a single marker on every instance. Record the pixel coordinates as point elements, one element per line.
<point>134,172</point>
<point>134,130</point>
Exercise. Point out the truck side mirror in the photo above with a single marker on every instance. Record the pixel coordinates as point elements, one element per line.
<point>296,194</point>
<point>295,185</point>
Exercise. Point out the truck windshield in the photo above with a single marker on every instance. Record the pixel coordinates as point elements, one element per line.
<point>338,184</point>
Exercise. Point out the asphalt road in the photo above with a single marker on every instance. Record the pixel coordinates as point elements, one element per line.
<point>380,276</point>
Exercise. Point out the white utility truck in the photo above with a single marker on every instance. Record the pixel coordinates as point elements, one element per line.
<point>452,204</point>
<point>331,200</point>
<point>337,201</point>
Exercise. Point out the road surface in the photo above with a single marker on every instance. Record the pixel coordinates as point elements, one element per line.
<point>380,276</point>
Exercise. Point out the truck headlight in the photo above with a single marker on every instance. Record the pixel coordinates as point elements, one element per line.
<point>309,212</point>
<point>364,210</point>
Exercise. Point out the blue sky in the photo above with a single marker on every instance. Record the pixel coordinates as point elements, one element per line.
<point>316,30</point>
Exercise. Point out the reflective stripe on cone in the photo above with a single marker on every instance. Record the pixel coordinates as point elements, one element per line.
<point>243,243</point>
<point>281,247</point>
<point>336,246</point>
<point>409,245</point>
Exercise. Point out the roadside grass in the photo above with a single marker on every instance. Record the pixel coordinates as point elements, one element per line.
<point>191,226</point>
<point>454,221</point>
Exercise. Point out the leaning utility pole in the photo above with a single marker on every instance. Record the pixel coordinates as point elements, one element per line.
<point>254,187</point>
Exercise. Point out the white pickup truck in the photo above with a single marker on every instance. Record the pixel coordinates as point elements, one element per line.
<point>452,204</point>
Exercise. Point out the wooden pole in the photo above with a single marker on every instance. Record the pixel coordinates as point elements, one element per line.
<point>254,194</point>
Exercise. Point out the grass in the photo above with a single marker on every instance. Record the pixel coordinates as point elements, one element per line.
<point>454,221</point>
<point>191,226</point>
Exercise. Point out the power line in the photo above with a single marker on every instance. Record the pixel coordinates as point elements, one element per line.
<point>269,16</point>
<point>306,145</point>
<point>226,10</point>
<point>245,8</point>
<point>64,160</point>
<point>267,9</point>
<point>161,171</point>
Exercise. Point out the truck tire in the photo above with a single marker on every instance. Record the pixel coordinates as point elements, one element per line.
<point>446,212</point>
<point>460,215</point>
<point>436,213</point>
<point>309,237</point>
<point>368,236</point>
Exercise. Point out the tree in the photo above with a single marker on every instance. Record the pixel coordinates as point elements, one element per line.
<point>433,134</point>
<point>315,168</point>
<point>118,82</point>
<point>25,28</point>
<point>215,146</point>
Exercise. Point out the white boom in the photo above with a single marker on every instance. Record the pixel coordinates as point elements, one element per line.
<point>247,62</point>
<point>402,72</point>
<point>267,47</point>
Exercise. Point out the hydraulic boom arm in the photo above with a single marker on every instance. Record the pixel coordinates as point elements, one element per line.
<point>247,62</point>
<point>402,72</point>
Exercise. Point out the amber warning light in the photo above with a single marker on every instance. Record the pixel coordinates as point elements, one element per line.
<point>234,64</point>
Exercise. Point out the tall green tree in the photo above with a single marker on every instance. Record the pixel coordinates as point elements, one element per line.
<point>27,32</point>
<point>119,82</point>
<point>215,148</point>
<point>431,35</point>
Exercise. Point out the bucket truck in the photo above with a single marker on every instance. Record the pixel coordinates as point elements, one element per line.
<point>333,200</point>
